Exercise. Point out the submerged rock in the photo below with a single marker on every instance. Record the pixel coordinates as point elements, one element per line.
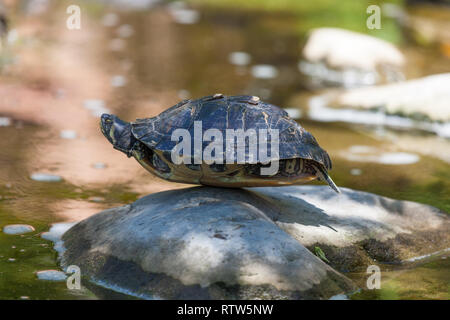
<point>51,275</point>
<point>18,229</point>
<point>216,243</point>
<point>341,48</point>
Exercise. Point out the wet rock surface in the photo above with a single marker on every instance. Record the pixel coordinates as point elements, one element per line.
<point>214,243</point>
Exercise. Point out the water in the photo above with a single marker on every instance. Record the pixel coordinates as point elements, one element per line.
<point>163,57</point>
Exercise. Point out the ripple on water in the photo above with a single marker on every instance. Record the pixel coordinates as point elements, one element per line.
<point>110,20</point>
<point>96,106</point>
<point>264,71</point>
<point>118,81</point>
<point>44,177</point>
<point>68,134</point>
<point>125,31</point>
<point>99,165</point>
<point>183,15</point>
<point>18,229</point>
<point>239,58</point>
<point>293,113</point>
<point>5,121</point>
<point>371,154</point>
<point>51,275</point>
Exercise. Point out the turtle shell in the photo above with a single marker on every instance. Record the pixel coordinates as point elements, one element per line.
<point>229,112</point>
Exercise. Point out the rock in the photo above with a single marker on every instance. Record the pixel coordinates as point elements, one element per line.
<point>214,243</point>
<point>5,121</point>
<point>355,227</point>
<point>341,48</point>
<point>96,106</point>
<point>344,57</point>
<point>424,98</point>
<point>202,243</point>
<point>239,58</point>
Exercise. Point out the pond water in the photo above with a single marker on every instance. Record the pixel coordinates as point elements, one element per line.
<point>55,165</point>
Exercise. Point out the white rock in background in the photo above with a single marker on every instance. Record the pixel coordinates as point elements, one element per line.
<point>429,96</point>
<point>239,58</point>
<point>348,78</point>
<point>341,48</point>
<point>294,113</point>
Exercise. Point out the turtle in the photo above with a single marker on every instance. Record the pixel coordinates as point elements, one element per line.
<point>151,142</point>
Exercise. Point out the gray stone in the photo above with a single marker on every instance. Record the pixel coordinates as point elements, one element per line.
<point>214,243</point>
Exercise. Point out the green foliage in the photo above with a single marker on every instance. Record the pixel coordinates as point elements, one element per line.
<point>347,14</point>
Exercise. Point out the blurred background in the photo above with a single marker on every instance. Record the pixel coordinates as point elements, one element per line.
<point>369,79</point>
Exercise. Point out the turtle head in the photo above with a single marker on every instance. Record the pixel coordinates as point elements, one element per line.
<point>118,133</point>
